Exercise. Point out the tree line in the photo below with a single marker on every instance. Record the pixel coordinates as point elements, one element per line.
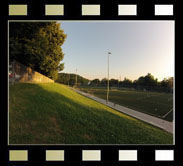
<point>148,82</point>
<point>71,79</point>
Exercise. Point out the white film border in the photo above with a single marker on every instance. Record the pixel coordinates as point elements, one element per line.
<point>127,155</point>
<point>164,155</point>
<point>164,10</point>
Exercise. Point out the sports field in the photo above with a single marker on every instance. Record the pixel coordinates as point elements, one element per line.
<point>153,103</point>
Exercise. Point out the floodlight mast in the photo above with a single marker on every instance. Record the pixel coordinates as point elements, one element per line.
<point>68,79</point>
<point>76,76</point>
<point>108,79</point>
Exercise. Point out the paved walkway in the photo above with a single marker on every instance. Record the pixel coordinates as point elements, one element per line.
<point>163,124</point>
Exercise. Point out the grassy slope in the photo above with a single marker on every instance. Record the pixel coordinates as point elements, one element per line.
<point>54,114</point>
<point>153,103</point>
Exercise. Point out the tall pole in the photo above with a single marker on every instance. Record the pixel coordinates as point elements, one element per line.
<point>68,79</point>
<point>108,79</point>
<point>76,76</point>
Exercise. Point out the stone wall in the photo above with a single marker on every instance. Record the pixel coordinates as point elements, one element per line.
<point>21,73</point>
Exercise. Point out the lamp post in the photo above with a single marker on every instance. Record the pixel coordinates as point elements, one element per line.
<point>108,79</point>
<point>68,78</point>
<point>76,77</point>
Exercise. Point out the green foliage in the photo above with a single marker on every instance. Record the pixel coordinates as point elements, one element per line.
<point>147,82</point>
<point>127,82</point>
<point>70,79</point>
<point>113,82</point>
<point>104,81</point>
<point>168,83</point>
<point>37,45</point>
<point>95,82</point>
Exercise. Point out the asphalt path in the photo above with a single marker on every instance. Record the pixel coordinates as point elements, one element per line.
<point>163,124</point>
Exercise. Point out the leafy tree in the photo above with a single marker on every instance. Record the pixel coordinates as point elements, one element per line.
<point>147,80</point>
<point>70,79</point>
<point>127,82</point>
<point>113,82</point>
<point>95,82</point>
<point>104,81</point>
<point>167,83</point>
<point>37,45</point>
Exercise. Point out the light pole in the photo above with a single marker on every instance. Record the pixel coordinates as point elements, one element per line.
<point>68,78</point>
<point>108,79</point>
<point>76,77</point>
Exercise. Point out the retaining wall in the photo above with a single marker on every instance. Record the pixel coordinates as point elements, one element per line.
<point>21,73</point>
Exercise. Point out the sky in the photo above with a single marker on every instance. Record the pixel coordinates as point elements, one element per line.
<point>137,48</point>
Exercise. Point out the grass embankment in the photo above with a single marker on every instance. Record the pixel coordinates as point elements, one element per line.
<point>54,114</point>
<point>153,103</point>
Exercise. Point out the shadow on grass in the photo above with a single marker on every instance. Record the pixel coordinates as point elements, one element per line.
<point>48,114</point>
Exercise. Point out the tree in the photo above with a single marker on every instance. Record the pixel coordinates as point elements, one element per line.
<point>147,80</point>
<point>37,45</point>
<point>127,82</point>
<point>113,82</point>
<point>104,81</point>
<point>167,83</point>
<point>95,82</point>
<point>70,79</point>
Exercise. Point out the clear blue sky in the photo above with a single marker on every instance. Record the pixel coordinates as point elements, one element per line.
<point>137,47</point>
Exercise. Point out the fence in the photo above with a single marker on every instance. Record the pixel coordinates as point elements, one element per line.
<point>130,87</point>
<point>21,73</point>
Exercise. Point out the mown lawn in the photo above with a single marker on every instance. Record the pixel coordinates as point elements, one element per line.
<point>153,103</point>
<point>54,114</point>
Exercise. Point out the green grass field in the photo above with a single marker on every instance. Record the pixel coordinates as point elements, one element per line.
<point>153,103</point>
<point>51,113</point>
